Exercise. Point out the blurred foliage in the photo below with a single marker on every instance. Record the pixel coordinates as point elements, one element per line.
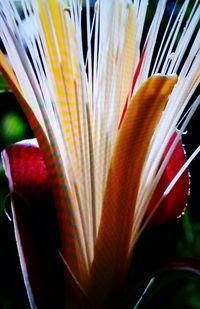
<point>3,85</point>
<point>172,291</point>
<point>189,245</point>
<point>13,128</point>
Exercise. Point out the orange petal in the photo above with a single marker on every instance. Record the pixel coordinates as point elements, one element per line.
<point>111,253</point>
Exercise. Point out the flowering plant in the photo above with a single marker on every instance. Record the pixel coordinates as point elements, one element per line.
<point>110,159</point>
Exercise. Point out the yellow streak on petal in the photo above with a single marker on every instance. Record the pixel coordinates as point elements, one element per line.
<point>131,54</point>
<point>111,252</point>
<point>61,46</point>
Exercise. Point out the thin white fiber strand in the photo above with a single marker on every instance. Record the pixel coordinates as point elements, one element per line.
<point>151,41</point>
<point>183,42</point>
<point>141,11</point>
<point>153,181</point>
<point>170,187</point>
<point>173,111</point>
<point>17,65</point>
<point>166,43</point>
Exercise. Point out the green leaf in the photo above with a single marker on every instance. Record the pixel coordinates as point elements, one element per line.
<point>12,127</point>
<point>3,85</point>
<point>172,286</point>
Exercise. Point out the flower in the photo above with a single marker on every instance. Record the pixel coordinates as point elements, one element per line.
<point>34,217</point>
<point>103,120</point>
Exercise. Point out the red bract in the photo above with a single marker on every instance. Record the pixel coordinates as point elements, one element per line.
<point>29,179</point>
<point>175,202</point>
<point>36,230</point>
<point>34,225</point>
<point>35,221</point>
<point>28,175</point>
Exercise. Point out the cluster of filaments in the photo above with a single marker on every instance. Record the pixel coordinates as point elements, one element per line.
<point>78,95</point>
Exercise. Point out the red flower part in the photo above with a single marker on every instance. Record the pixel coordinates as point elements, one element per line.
<point>174,203</point>
<point>26,171</point>
<point>29,179</point>
<point>36,230</point>
<point>35,221</point>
